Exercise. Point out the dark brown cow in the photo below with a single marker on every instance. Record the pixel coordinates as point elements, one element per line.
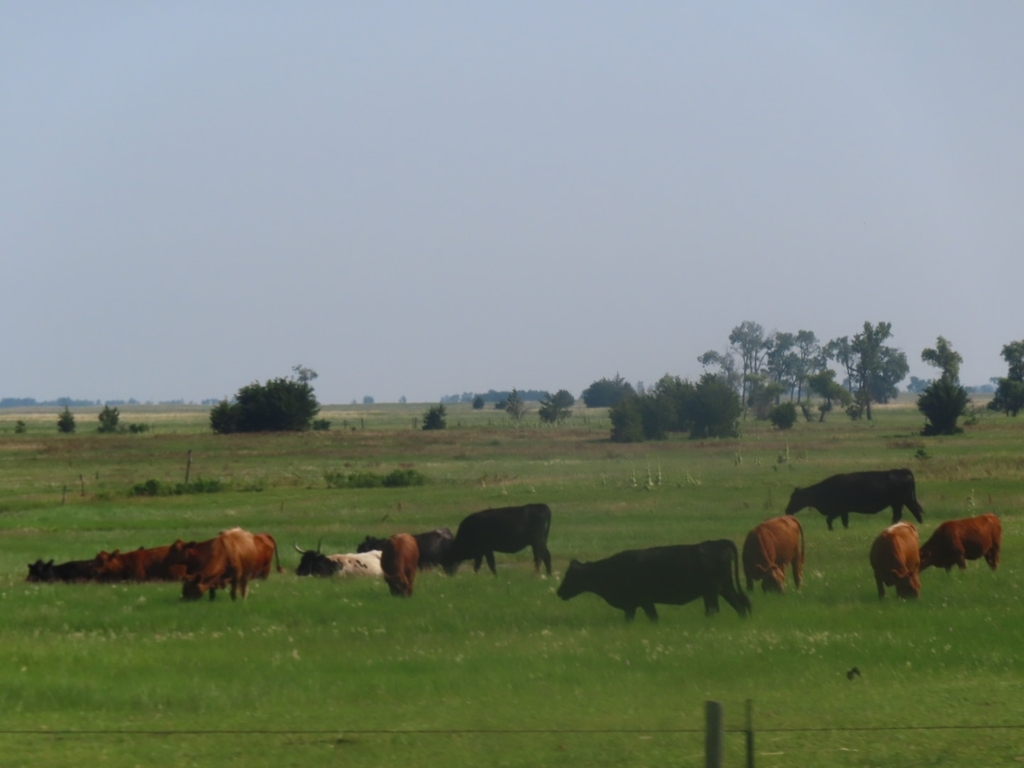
<point>234,557</point>
<point>399,559</point>
<point>956,541</point>
<point>896,561</point>
<point>768,549</point>
<point>187,558</point>
<point>864,492</point>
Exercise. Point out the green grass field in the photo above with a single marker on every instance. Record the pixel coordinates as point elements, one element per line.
<point>477,670</point>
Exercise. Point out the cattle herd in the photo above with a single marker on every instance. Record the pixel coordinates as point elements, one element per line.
<point>629,580</point>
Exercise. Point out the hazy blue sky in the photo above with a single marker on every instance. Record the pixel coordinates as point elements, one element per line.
<point>422,199</point>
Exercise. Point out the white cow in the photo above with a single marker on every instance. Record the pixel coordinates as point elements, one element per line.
<point>314,563</point>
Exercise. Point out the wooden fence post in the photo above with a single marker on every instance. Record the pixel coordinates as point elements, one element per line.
<point>188,466</point>
<point>713,731</point>
<point>750,733</point>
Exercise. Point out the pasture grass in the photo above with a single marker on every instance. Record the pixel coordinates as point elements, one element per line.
<point>311,671</point>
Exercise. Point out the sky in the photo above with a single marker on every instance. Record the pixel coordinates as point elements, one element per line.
<point>424,199</point>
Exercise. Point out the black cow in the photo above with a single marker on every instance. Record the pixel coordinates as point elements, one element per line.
<point>434,545</point>
<point>73,570</point>
<point>672,575</point>
<point>864,492</point>
<point>506,529</point>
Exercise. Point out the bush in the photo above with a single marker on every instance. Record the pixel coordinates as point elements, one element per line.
<point>943,403</point>
<point>137,429</point>
<point>605,393</point>
<point>399,478</point>
<point>716,408</point>
<point>783,416</point>
<point>280,405</point>
<point>108,420</point>
<point>435,417</point>
<point>321,425</point>
<point>20,428</point>
<point>478,403</point>
<point>66,422</point>
<point>156,488</point>
<point>627,421</point>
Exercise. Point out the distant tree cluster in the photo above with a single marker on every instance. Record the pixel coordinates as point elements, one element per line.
<point>710,408</point>
<point>1009,396</point>
<point>280,405</point>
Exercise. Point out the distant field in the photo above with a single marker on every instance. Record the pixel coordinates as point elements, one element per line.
<point>477,670</point>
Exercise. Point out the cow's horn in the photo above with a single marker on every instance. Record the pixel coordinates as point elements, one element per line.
<point>299,550</point>
<point>318,546</point>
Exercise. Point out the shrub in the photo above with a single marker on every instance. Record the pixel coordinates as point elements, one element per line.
<point>627,421</point>
<point>716,408</point>
<point>321,425</point>
<point>20,428</point>
<point>137,429</point>
<point>942,403</point>
<point>557,407</point>
<point>280,405</point>
<point>399,478</point>
<point>154,487</point>
<point>108,420</point>
<point>66,421</point>
<point>478,403</point>
<point>783,416</point>
<point>435,417</point>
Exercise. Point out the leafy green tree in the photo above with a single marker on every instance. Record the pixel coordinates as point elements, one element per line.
<point>20,427</point>
<point>782,364</point>
<point>66,421</point>
<point>108,419</point>
<point>824,385</point>
<point>879,369</point>
<point>1009,396</point>
<point>809,359</point>
<point>715,409</point>
<point>783,416</point>
<point>436,417</point>
<point>726,365</point>
<point>557,407</point>
<point>280,405</point>
<point>942,404</point>
<point>627,420</point>
<point>749,341</point>
<point>605,393</point>
<point>514,406</point>
<point>478,403</point>
<point>763,394</point>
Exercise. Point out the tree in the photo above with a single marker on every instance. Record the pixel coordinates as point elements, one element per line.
<point>763,394</point>
<point>840,351</point>
<point>1009,396</point>
<point>627,420</point>
<point>514,406</point>
<point>557,407</point>
<point>478,403</point>
<point>605,393</point>
<point>879,369</point>
<point>809,359</point>
<point>280,405</point>
<point>66,421</point>
<point>783,416</point>
<point>715,410</point>
<point>749,341</point>
<point>108,419</point>
<point>943,401</point>
<point>726,365</point>
<point>782,364</point>
<point>435,417</point>
<point>824,385</point>
<point>918,385</point>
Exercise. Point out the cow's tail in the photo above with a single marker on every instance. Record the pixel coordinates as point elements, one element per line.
<point>803,548</point>
<point>276,558</point>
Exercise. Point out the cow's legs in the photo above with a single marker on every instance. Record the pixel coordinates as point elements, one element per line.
<point>476,563</point>
<point>897,513</point>
<point>915,509</point>
<point>992,556</point>
<point>650,611</point>
<point>846,519</point>
<point>630,613</point>
<point>798,571</point>
<point>541,554</point>
<point>490,561</point>
<point>711,604</point>
<point>881,588</point>
<point>829,519</point>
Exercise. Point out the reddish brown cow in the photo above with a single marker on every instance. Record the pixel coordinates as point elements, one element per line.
<point>137,565</point>
<point>896,561</point>
<point>769,548</point>
<point>399,559</point>
<point>234,557</point>
<point>187,558</point>
<point>956,541</point>
<point>266,553</point>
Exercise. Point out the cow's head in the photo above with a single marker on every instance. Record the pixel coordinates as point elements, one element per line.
<point>192,588</point>
<point>369,544</point>
<point>796,501</point>
<point>40,571</point>
<point>108,565</point>
<point>574,582</point>
<point>315,564</point>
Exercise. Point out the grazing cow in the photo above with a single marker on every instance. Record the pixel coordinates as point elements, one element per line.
<point>895,560</point>
<point>956,541</point>
<point>187,558</point>
<point>507,529</point>
<point>313,563</point>
<point>433,546</point>
<point>769,548</point>
<point>71,571</point>
<point>234,557</point>
<point>865,492</point>
<point>673,575</point>
<point>399,559</point>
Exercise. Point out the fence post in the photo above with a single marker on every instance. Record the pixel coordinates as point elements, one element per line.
<point>188,466</point>
<point>750,733</point>
<point>713,730</point>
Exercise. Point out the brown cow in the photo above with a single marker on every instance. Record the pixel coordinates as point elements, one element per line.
<point>895,560</point>
<point>956,541</point>
<point>235,557</point>
<point>187,558</point>
<point>769,548</point>
<point>399,559</point>
<point>266,550</point>
<point>137,565</point>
